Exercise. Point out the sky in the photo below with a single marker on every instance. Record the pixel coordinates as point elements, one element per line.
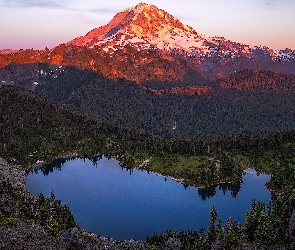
<point>37,24</point>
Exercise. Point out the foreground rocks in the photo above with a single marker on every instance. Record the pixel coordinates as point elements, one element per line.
<point>22,234</point>
<point>34,237</point>
<point>21,224</point>
<point>12,174</point>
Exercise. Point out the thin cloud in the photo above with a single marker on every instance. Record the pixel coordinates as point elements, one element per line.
<point>95,6</point>
<point>85,19</point>
<point>87,6</point>
<point>33,3</point>
<point>274,3</point>
<point>103,10</point>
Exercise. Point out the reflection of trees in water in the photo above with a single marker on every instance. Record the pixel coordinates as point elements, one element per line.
<point>95,159</point>
<point>233,188</point>
<point>57,164</point>
<point>206,193</point>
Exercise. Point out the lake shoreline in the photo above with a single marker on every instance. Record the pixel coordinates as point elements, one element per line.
<point>15,238</point>
<point>107,178</point>
<point>143,167</point>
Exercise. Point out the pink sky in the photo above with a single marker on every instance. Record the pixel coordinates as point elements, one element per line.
<point>40,24</point>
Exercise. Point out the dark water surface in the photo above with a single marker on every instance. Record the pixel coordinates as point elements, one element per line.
<point>110,201</point>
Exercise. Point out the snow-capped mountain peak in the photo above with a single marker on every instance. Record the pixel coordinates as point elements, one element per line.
<point>147,45</point>
<point>138,8</point>
<point>144,25</point>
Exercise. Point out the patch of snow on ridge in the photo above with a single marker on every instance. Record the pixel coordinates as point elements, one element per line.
<point>137,9</point>
<point>136,40</point>
<point>286,55</point>
<point>188,28</point>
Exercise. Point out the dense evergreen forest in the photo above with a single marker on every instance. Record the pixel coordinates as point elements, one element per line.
<point>261,102</point>
<point>17,203</point>
<point>218,112</point>
<point>215,113</point>
<point>267,226</point>
<point>34,128</point>
<point>258,80</point>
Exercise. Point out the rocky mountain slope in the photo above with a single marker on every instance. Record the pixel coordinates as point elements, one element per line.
<point>146,27</point>
<point>162,72</point>
<point>144,43</point>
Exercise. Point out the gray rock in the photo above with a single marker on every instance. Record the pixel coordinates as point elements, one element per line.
<point>173,243</point>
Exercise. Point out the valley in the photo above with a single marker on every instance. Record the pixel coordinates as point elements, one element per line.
<point>76,132</point>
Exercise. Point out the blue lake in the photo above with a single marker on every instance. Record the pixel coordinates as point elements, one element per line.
<point>109,200</point>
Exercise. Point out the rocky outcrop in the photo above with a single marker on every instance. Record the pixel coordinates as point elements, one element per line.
<point>35,237</point>
<point>21,233</point>
<point>144,43</point>
<point>12,174</point>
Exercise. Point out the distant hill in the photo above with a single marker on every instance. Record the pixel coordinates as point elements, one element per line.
<point>259,80</point>
<point>218,112</point>
<point>232,106</point>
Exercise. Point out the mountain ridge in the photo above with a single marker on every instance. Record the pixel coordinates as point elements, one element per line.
<point>145,26</point>
<point>144,43</point>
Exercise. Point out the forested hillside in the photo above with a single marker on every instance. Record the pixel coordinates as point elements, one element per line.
<point>258,80</point>
<point>218,112</point>
<point>35,128</point>
<point>248,102</point>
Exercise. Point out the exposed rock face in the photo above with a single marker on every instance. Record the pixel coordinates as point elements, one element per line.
<point>173,243</point>
<point>25,236</point>
<point>12,174</point>
<point>34,237</point>
<point>7,51</point>
<point>144,43</point>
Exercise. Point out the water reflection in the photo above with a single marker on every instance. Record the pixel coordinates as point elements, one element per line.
<point>124,203</point>
<point>57,164</point>
<point>204,193</point>
<point>232,188</point>
<point>209,192</point>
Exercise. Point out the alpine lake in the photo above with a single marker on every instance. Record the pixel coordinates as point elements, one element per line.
<point>112,201</point>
